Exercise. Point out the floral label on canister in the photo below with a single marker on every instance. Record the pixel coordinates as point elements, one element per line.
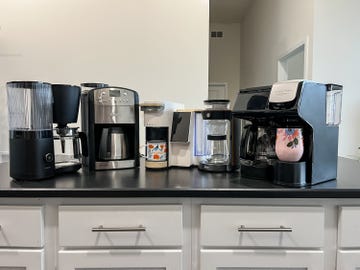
<point>156,151</point>
<point>289,144</point>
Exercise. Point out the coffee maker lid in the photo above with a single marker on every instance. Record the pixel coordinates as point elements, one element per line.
<point>152,106</point>
<point>26,84</point>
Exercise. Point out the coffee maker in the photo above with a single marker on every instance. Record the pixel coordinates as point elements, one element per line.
<point>219,129</point>
<point>31,144</point>
<point>186,142</point>
<point>158,119</point>
<point>310,107</point>
<point>69,143</point>
<point>111,124</point>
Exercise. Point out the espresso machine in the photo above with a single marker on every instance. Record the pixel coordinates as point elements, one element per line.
<point>309,108</point>
<point>158,119</point>
<point>69,143</point>
<point>220,150</point>
<point>31,144</point>
<point>111,125</point>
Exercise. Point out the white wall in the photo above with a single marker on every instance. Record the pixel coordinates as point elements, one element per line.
<point>224,57</point>
<point>337,58</point>
<point>268,31</point>
<point>157,47</point>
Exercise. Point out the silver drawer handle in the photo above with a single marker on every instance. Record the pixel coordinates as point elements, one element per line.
<point>140,228</point>
<point>243,228</point>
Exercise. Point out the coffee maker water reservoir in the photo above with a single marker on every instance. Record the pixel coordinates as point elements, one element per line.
<point>31,144</point>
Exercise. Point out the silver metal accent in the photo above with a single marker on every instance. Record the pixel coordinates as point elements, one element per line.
<point>139,228</point>
<point>113,144</point>
<point>114,108</point>
<point>114,164</point>
<point>243,228</point>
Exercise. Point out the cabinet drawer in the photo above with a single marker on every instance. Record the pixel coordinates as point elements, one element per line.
<point>130,225</point>
<point>29,259</point>
<point>262,226</point>
<point>262,259</point>
<point>349,227</point>
<point>120,259</point>
<point>21,226</point>
<point>348,260</point>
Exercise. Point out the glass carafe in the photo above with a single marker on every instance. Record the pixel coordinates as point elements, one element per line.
<point>216,120</point>
<point>216,142</point>
<point>68,149</point>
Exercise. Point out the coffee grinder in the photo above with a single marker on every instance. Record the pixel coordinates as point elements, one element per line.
<point>158,118</point>
<point>111,124</point>
<point>31,144</point>
<point>314,108</point>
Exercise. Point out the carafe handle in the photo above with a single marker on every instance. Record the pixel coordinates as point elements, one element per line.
<point>247,147</point>
<point>83,141</point>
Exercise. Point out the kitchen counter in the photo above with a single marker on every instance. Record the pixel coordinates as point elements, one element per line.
<point>177,182</point>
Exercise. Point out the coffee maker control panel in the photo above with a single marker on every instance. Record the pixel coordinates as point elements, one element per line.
<point>113,97</point>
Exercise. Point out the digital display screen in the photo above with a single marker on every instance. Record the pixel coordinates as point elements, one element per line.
<point>114,93</point>
<point>180,127</point>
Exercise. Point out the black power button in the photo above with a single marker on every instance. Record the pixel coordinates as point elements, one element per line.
<point>49,157</point>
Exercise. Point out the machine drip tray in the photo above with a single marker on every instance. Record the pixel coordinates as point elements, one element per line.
<point>257,170</point>
<point>291,174</point>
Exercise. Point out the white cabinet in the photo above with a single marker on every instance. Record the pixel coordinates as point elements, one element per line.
<point>21,238</point>
<point>121,237</point>
<point>348,255</point>
<point>261,237</point>
<point>21,259</point>
<point>120,225</point>
<point>120,259</point>
<point>261,259</point>
<point>348,260</point>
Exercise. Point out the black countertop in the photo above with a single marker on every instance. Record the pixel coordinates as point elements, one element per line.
<point>176,182</point>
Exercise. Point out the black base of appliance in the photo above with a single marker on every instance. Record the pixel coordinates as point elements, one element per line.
<point>292,174</point>
<point>31,155</point>
<point>67,168</point>
<point>214,167</point>
<point>257,170</point>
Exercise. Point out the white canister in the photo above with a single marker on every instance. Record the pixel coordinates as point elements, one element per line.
<point>156,151</point>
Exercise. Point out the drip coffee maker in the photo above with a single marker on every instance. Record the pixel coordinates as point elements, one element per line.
<point>110,120</point>
<point>305,116</point>
<point>31,143</point>
<point>69,143</point>
<point>217,128</point>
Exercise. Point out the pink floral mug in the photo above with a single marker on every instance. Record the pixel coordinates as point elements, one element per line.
<point>289,144</point>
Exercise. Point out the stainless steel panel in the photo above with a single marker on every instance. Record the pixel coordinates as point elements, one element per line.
<point>114,105</point>
<point>114,164</point>
<point>114,114</point>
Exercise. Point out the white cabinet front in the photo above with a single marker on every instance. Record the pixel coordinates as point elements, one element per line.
<point>348,260</point>
<point>120,260</point>
<point>261,260</point>
<point>21,259</point>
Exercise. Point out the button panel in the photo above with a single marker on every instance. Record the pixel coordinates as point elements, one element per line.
<point>113,97</point>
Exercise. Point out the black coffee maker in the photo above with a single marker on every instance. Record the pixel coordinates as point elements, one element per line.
<point>311,107</point>
<point>69,143</point>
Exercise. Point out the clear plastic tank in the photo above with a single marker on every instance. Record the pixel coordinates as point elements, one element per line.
<point>30,105</point>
